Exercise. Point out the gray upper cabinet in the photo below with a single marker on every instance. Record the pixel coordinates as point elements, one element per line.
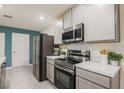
<point>101,21</point>
<point>58,29</point>
<point>77,14</point>
<point>68,19</point>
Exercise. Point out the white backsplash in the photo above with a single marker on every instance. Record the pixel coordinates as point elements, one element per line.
<point>94,53</point>
<point>95,56</point>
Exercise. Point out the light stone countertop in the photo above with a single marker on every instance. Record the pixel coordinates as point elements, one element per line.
<point>103,69</point>
<point>54,57</point>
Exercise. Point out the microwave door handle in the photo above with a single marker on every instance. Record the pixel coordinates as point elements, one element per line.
<point>74,34</point>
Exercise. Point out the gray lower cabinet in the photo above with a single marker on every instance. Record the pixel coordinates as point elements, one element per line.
<point>50,70</point>
<point>89,80</point>
<point>84,84</point>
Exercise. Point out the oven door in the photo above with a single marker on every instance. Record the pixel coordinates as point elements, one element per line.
<point>68,36</point>
<point>64,79</point>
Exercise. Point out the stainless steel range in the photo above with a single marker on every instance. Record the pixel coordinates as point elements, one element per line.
<point>65,68</point>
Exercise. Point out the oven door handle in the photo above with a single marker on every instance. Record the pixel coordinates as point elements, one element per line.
<point>65,69</point>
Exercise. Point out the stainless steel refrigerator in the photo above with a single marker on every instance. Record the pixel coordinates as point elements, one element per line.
<point>43,46</point>
<point>3,75</point>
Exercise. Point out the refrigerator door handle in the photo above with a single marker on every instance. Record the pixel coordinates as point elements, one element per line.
<point>3,65</point>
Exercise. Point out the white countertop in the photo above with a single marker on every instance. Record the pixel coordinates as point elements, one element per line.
<point>54,57</point>
<point>104,69</point>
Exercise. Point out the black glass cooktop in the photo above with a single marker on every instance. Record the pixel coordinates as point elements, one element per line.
<point>65,63</point>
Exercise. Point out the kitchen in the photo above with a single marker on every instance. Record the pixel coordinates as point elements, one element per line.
<point>73,51</point>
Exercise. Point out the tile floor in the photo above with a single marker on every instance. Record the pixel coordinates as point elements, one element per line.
<point>22,78</point>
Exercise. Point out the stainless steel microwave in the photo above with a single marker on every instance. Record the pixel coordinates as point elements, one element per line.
<point>68,35</point>
<point>79,32</point>
<point>73,34</point>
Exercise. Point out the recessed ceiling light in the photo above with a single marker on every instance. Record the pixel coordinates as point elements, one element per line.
<point>42,18</point>
<point>0,5</point>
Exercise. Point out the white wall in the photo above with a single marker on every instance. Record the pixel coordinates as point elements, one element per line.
<point>119,47</point>
<point>49,30</point>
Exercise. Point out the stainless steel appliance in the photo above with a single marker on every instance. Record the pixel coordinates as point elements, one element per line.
<point>68,36</point>
<point>73,34</point>
<point>64,76</point>
<point>79,32</point>
<point>42,46</point>
<point>3,75</point>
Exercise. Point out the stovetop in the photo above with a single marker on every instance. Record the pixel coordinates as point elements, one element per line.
<point>73,57</point>
<point>65,63</point>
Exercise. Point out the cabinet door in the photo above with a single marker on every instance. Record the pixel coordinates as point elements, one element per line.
<point>50,72</point>
<point>84,84</point>
<point>58,29</point>
<point>68,19</point>
<point>99,21</point>
<point>96,78</point>
<point>77,14</point>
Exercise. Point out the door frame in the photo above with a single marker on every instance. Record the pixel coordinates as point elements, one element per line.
<point>28,49</point>
<point>4,43</point>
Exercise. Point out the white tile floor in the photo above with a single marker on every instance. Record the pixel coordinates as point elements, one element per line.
<point>22,78</point>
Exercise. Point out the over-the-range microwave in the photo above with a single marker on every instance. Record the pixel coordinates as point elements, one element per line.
<point>73,34</point>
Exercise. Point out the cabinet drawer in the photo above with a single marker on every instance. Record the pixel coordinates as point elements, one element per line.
<point>51,61</point>
<point>84,84</point>
<point>96,78</point>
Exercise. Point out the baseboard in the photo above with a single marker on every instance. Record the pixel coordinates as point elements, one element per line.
<point>12,67</point>
<point>30,64</point>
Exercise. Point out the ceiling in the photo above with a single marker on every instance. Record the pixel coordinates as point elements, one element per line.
<point>28,16</point>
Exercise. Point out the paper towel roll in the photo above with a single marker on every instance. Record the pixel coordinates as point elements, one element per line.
<point>104,59</point>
